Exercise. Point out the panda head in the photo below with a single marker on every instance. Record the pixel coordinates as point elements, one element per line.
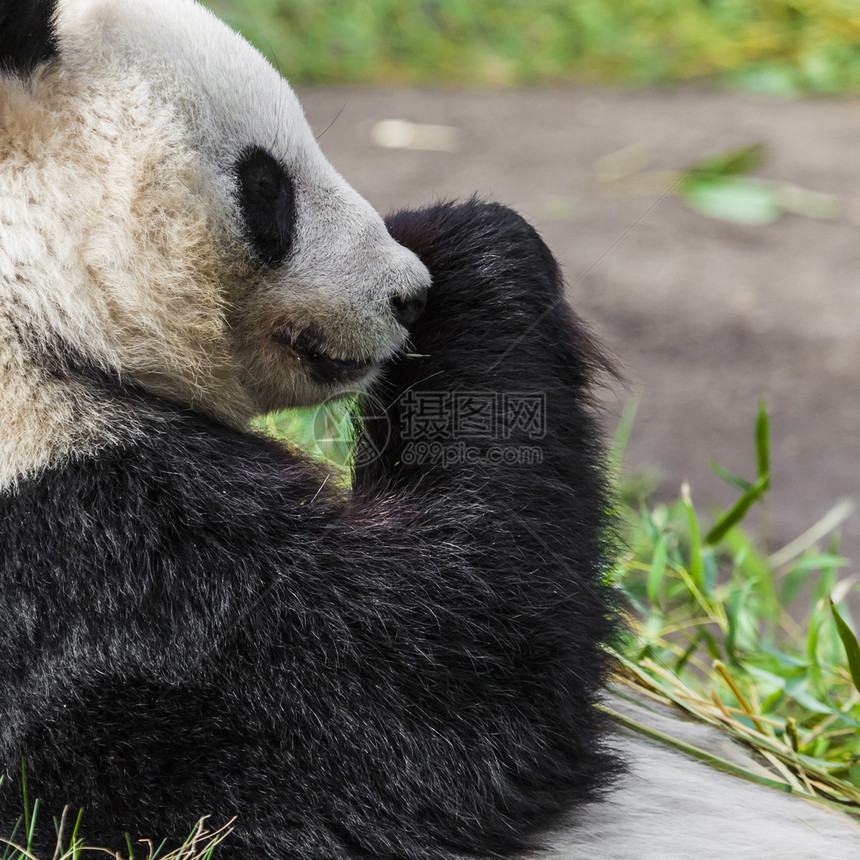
<point>166,213</point>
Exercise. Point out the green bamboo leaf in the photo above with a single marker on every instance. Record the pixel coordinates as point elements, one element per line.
<point>740,199</point>
<point>731,163</point>
<point>736,512</point>
<point>738,483</point>
<point>736,619</point>
<point>770,678</point>
<point>852,646</point>
<point>820,561</point>
<point>697,567</point>
<point>781,657</point>
<point>798,689</point>
<point>710,571</point>
<point>762,444</point>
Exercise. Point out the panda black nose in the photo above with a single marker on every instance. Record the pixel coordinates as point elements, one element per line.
<point>407,310</point>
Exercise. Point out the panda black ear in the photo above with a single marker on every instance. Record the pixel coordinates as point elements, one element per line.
<point>27,35</point>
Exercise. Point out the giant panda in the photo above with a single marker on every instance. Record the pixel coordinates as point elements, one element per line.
<point>196,620</point>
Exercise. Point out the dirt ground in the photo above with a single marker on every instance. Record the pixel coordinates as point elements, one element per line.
<point>704,316</point>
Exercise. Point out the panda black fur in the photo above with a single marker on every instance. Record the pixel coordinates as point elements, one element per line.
<point>195,620</point>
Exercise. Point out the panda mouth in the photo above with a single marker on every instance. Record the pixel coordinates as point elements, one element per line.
<point>309,348</point>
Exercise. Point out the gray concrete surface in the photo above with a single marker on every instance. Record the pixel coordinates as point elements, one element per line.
<point>705,316</point>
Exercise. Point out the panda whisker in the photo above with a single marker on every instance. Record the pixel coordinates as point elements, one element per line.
<point>336,118</point>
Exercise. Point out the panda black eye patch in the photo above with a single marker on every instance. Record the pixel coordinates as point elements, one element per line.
<point>267,199</point>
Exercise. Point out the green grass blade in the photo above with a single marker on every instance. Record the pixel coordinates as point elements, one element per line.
<point>852,646</point>
<point>8,850</point>
<point>24,793</point>
<point>32,829</point>
<point>77,826</point>
<point>158,850</point>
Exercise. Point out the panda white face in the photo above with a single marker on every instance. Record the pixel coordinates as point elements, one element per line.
<point>176,220</point>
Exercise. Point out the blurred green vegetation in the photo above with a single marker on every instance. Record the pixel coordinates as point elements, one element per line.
<point>781,46</point>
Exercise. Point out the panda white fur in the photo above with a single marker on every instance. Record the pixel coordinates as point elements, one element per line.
<point>195,621</point>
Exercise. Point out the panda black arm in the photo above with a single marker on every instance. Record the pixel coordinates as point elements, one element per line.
<point>497,331</point>
<point>409,673</point>
<point>496,335</point>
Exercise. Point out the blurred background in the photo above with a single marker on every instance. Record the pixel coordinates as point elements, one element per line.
<point>693,164</point>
